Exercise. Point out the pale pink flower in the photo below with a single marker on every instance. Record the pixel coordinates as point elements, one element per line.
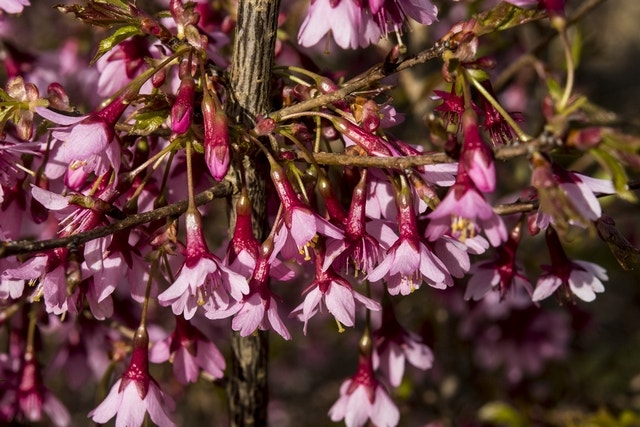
<point>122,64</point>
<point>301,225</point>
<point>135,393</point>
<point>203,279</point>
<point>465,213</point>
<point>363,398</point>
<point>258,309</point>
<point>391,15</point>
<point>190,351</point>
<point>34,399</point>
<point>582,278</point>
<point>394,346</point>
<point>476,157</point>
<point>409,262</point>
<point>13,6</point>
<point>337,294</point>
<point>349,24</point>
<point>502,272</point>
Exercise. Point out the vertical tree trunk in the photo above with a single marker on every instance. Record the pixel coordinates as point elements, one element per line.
<point>251,67</point>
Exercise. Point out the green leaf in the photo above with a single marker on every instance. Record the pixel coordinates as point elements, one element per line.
<point>114,39</point>
<point>149,121</point>
<point>617,171</point>
<point>505,16</point>
<point>502,413</point>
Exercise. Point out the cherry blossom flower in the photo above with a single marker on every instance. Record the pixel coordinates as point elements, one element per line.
<point>258,309</point>
<point>362,398</point>
<point>502,272</point>
<point>409,262</point>
<point>203,279</point>
<point>358,248</point>
<point>135,393</point>
<point>349,24</point>
<point>566,198</point>
<point>10,152</point>
<point>34,399</point>
<point>216,138</point>
<point>391,15</point>
<point>301,224</point>
<point>464,213</point>
<point>336,293</point>
<point>13,6</point>
<point>182,109</point>
<point>582,278</point>
<point>190,351</point>
<point>124,62</point>
<point>476,157</point>
<point>394,346</point>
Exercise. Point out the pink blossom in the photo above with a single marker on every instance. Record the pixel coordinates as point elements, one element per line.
<point>301,225</point>
<point>203,279</point>
<point>502,272</point>
<point>476,157</point>
<point>135,393</point>
<point>358,248</point>
<point>258,309</point>
<point>190,351</point>
<point>566,197</point>
<point>394,346</point>
<point>391,15</point>
<point>217,154</point>
<point>464,213</point>
<point>119,66</point>
<point>362,398</point>
<point>336,293</point>
<point>33,398</point>
<point>350,26</point>
<point>13,6</point>
<point>409,262</point>
<point>582,278</point>
<point>11,151</point>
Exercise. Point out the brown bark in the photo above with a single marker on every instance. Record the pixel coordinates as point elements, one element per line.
<point>252,63</point>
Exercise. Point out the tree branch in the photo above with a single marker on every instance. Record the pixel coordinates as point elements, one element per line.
<point>8,248</point>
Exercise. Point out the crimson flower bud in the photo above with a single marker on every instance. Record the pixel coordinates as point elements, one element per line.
<point>216,139</point>
<point>372,144</point>
<point>182,109</point>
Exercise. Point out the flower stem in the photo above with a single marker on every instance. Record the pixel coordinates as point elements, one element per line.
<point>568,88</point>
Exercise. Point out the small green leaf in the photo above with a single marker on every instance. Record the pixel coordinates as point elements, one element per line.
<point>617,171</point>
<point>148,121</point>
<point>114,39</point>
<point>505,16</point>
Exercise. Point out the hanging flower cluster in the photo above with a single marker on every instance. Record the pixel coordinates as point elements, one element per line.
<point>348,215</point>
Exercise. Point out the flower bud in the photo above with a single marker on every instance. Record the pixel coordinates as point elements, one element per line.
<point>182,109</point>
<point>216,139</point>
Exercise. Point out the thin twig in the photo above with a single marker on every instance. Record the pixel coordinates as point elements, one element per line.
<point>8,248</point>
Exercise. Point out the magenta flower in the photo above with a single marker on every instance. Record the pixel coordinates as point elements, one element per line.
<point>476,157</point>
<point>464,213</point>
<point>409,262</point>
<point>350,26</point>
<point>33,399</point>
<point>122,64</point>
<point>582,278</point>
<point>566,197</point>
<point>182,109</point>
<point>357,248</point>
<point>217,153</point>
<point>301,225</point>
<point>11,152</point>
<point>391,15</point>
<point>502,272</point>
<point>336,293</point>
<point>258,309</point>
<point>135,393</point>
<point>86,141</point>
<point>394,346</point>
<point>13,6</point>
<point>203,279</point>
<point>362,398</point>
<point>190,351</point>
